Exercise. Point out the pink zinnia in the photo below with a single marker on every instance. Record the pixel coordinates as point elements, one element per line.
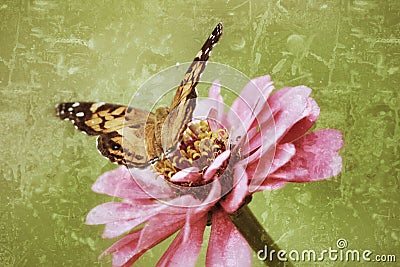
<point>262,144</point>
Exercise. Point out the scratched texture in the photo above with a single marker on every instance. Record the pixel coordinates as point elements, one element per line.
<point>53,51</point>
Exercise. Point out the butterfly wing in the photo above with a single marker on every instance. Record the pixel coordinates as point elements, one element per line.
<point>110,123</point>
<point>184,102</point>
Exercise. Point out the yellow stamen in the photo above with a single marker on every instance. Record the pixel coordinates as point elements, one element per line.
<point>199,145</point>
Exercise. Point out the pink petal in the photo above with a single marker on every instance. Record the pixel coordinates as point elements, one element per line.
<point>226,246</point>
<point>290,111</point>
<point>214,101</point>
<point>215,94</point>
<point>216,164</point>
<point>125,256</point>
<point>214,122</point>
<point>283,154</point>
<point>158,228</point>
<point>119,183</point>
<point>120,219</point>
<point>255,92</point>
<point>277,98</point>
<point>235,198</point>
<point>186,175</point>
<point>186,246</point>
<point>260,139</point>
<point>272,184</point>
<point>152,183</point>
<point>114,211</point>
<point>302,126</point>
<point>125,245</point>
<point>259,169</point>
<point>212,198</point>
<point>260,162</point>
<point>286,114</point>
<point>260,133</point>
<point>118,228</point>
<point>288,108</point>
<point>215,91</point>
<point>247,107</point>
<point>316,157</point>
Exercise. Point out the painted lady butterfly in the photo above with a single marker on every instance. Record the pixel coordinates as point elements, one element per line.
<point>160,131</point>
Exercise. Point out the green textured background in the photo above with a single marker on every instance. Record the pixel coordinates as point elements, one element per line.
<point>54,51</point>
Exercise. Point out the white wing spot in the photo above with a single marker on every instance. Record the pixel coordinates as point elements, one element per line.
<point>70,109</point>
<point>76,104</point>
<point>199,54</point>
<point>97,145</point>
<point>80,114</point>
<point>95,106</point>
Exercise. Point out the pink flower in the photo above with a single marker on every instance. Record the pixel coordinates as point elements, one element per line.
<point>261,144</point>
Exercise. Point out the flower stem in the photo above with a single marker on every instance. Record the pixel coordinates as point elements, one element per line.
<point>257,237</point>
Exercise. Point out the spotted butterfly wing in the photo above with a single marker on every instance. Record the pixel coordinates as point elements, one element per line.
<point>110,123</point>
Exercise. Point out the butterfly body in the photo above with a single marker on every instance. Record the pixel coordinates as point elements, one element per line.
<point>136,138</point>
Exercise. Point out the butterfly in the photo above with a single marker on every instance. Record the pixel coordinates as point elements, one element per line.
<point>138,138</point>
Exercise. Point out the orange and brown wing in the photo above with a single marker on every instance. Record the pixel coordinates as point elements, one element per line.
<point>184,102</point>
<point>120,136</point>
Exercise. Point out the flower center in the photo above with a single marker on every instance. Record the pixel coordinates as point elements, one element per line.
<point>198,148</point>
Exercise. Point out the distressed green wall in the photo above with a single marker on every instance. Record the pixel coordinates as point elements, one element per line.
<point>54,51</point>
